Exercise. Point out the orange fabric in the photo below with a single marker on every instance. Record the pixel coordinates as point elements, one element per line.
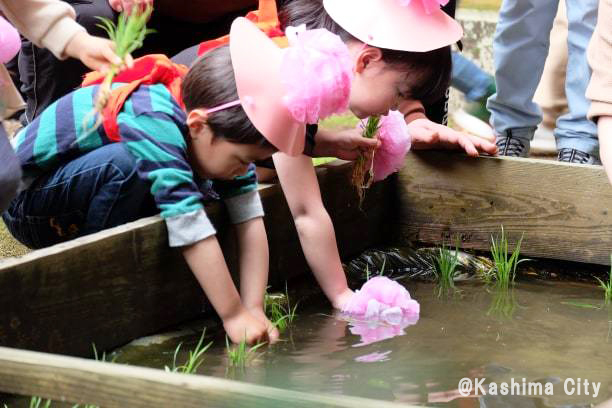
<point>147,70</point>
<point>265,18</point>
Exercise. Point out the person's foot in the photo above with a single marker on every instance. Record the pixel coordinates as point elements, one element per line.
<point>512,146</point>
<point>568,155</point>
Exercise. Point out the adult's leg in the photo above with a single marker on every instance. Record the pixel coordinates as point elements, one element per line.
<point>574,130</point>
<point>96,191</point>
<point>44,78</point>
<point>520,47</point>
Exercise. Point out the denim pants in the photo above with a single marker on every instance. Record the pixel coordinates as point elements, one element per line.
<point>469,78</point>
<point>98,190</point>
<point>10,171</point>
<point>520,47</point>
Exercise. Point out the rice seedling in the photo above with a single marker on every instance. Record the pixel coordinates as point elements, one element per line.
<point>363,173</point>
<point>241,354</point>
<point>279,310</point>
<point>607,286</point>
<point>194,360</point>
<point>504,270</point>
<point>37,402</point>
<point>446,268</point>
<point>127,35</point>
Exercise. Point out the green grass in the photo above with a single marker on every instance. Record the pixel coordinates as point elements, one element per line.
<point>607,286</point>
<point>279,310</point>
<point>481,4</point>
<point>9,246</point>
<point>446,268</point>
<point>37,402</point>
<point>195,359</point>
<point>504,270</point>
<point>241,354</point>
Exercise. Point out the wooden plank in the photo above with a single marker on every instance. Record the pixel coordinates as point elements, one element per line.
<point>563,209</point>
<point>124,283</point>
<point>83,381</point>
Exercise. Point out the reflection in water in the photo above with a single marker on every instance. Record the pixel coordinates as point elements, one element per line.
<point>373,331</point>
<point>546,339</point>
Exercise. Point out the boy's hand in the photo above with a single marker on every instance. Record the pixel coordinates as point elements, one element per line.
<point>95,52</point>
<point>244,326</point>
<point>344,144</point>
<point>428,135</point>
<point>273,333</point>
<point>128,5</point>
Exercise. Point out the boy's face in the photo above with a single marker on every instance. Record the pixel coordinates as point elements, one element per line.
<point>377,88</point>
<point>218,158</point>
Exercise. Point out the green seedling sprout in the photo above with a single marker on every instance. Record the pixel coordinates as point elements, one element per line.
<point>195,359</point>
<point>128,35</point>
<point>37,402</point>
<point>279,310</point>
<point>504,269</point>
<point>241,354</point>
<point>446,268</point>
<point>607,286</point>
<point>363,170</point>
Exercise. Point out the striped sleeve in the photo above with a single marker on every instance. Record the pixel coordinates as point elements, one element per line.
<point>157,142</point>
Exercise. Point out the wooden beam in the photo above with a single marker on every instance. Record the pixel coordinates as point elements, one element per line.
<point>563,209</point>
<point>77,380</point>
<point>124,283</point>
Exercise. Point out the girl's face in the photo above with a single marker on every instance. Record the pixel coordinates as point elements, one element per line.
<point>217,158</point>
<point>377,87</point>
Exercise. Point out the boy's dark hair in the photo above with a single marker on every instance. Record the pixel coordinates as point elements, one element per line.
<point>209,83</point>
<point>430,71</point>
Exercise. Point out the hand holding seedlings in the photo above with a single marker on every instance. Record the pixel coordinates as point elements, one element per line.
<point>127,5</point>
<point>95,52</point>
<point>346,144</point>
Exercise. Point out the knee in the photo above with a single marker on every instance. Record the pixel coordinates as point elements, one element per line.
<point>119,160</point>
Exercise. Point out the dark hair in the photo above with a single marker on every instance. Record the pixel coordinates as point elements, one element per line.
<point>210,82</point>
<point>430,71</point>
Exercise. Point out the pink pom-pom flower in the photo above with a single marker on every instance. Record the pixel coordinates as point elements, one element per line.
<point>317,71</point>
<point>395,144</point>
<point>381,298</point>
<point>9,41</point>
<point>428,5</point>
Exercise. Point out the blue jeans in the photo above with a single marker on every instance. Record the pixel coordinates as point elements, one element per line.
<point>469,78</point>
<point>520,48</point>
<point>98,190</point>
<point>10,171</point>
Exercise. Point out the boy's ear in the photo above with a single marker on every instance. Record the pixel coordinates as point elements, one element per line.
<point>366,56</point>
<point>196,119</point>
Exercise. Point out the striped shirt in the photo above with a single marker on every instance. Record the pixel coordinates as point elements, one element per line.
<point>153,127</point>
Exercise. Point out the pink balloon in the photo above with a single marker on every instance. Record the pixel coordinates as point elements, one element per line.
<point>9,41</point>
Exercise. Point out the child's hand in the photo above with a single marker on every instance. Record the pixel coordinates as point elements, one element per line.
<point>273,333</point>
<point>244,326</point>
<point>343,144</point>
<point>427,135</point>
<point>128,5</point>
<point>95,52</point>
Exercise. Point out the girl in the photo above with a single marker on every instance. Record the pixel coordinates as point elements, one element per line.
<point>169,148</point>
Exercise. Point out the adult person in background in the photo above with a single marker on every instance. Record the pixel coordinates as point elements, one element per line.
<point>599,90</point>
<point>177,24</point>
<point>520,48</point>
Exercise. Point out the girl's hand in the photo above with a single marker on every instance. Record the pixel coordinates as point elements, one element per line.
<point>344,144</point>
<point>95,52</point>
<point>244,326</point>
<point>429,135</point>
<point>128,5</point>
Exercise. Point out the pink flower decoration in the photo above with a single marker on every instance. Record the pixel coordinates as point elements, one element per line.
<point>317,71</point>
<point>395,144</point>
<point>428,5</point>
<point>384,299</point>
<point>10,43</point>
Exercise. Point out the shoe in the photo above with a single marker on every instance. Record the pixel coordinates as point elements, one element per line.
<point>568,155</point>
<point>479,108</point>
<point>512,146</point>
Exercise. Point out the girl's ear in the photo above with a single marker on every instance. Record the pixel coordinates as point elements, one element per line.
<point>196,120</point>
<point>366,56</point>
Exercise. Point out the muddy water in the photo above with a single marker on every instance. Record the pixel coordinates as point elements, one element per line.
<point>542,332</point>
